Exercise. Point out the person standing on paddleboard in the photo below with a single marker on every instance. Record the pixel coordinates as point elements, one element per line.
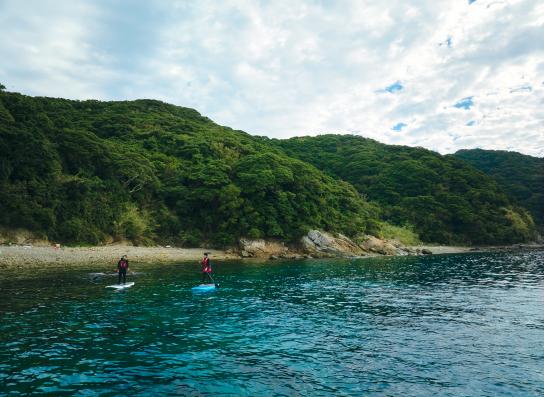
<point>206,268</point>
<point>122,267</point>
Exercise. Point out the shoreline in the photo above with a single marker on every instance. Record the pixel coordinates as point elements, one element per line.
<point>27,256</point>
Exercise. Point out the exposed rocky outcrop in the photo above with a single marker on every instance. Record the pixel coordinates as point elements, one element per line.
<point>258,248</point>
<point>322,244</point>
<point>383,247</point>
<point>374,244</point>
<point>319,244</point>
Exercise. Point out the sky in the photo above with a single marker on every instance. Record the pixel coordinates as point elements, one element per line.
<point>443,75</point>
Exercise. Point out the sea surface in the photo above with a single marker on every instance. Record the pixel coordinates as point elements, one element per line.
<point>444,325</point>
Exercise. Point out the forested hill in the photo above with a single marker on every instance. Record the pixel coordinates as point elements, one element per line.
<point>89,171</point>
<point>519,175</point>
<point>446,199</point>
<point>93,172</point>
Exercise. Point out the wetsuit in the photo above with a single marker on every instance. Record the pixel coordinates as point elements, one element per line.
<point>206,269</point>
<point>122,267</point>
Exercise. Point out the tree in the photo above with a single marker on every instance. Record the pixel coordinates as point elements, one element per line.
<point>91,171</point>
<point>443,198</point>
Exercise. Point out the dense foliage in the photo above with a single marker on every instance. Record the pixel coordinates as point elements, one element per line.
<point>444,198</point>
<point>146,171</point>
<point>90,171</point>
<point>519,175</point>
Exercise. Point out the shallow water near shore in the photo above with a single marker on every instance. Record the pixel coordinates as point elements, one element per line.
<point>445,325</point>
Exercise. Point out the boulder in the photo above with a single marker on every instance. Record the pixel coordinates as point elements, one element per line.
<point>425,251</point>
<point>322,244</point>
<point>259,248</point>
<point>379,246</point>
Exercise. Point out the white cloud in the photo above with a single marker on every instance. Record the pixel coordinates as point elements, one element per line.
<point>282,68</point>
<point>45,52</point>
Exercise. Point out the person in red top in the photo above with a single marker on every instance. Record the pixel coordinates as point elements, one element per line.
<point>206,268</point>
<point>122,267</point>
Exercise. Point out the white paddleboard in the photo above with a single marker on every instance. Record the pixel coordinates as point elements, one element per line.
<point>120,286</point>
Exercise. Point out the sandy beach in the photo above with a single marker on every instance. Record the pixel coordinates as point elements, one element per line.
<point>28,256</point>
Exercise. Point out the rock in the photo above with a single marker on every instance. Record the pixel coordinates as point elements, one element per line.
<point>397,244</point>
<point>272,257</point>
<point>401,252</point>
<point>322,244</point>
<point>409,250</point>
<point>384,247</point>
<point>425,251</point>
<point>258,248</point>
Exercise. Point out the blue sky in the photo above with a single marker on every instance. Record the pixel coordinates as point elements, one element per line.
<point>439,74</point>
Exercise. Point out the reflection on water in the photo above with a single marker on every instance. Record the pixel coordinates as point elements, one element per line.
<point>451,325</point>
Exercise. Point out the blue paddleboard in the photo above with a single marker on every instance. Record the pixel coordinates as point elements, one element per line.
<point>204,288</point>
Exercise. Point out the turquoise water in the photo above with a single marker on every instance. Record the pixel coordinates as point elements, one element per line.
<point>454,325</point>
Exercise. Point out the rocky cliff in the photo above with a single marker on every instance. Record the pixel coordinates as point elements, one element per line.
<point>319,244</point>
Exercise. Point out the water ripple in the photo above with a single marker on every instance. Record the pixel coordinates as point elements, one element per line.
<point>468,325</point>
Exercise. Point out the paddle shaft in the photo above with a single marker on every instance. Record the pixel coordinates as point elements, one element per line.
<point>213,281</point>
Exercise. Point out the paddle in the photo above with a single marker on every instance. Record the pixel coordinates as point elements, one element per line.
<point>213,281</point>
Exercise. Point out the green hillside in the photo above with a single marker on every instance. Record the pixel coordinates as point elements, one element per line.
<point>444,198</point>
<point>90,171</point>
<point>519,175</point>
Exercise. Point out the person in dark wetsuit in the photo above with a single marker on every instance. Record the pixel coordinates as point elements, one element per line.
<point>206,269</point>
<point>122,267</point>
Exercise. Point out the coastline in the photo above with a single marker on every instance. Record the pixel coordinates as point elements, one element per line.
<point>444,249</point>
<point>27,256</point>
